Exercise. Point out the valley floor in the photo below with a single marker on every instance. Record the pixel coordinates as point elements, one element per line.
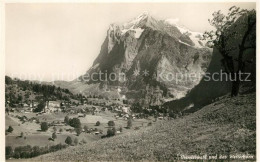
<point>225,127</point>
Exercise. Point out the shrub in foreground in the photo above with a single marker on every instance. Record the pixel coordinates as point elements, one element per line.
<point>29,152</point>
<point>68,140</point>
<point>10,129</point>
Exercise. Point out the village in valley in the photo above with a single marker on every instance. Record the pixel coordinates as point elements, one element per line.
<point>48,118</point>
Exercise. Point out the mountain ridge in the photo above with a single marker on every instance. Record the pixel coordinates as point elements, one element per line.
<point>146,44</point>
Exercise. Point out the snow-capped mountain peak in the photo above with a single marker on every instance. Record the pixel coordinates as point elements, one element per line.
<point>143,15</point>
<point>137,22</point>
<point>170,26</point>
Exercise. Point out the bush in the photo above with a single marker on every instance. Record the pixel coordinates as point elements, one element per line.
<point>16,155</point>
<point>10,129</point>
<point>76,141</point>
<point>23,151</point>
<point>35,151</point>
<point>111,132</point>
<point>66,119</point>
<point>44,126</point>
<point>129,123</point>
<point>78,131</point>
<point>68,140</point>
<point>54,136</point>
<point>83,141</point>
<point>8,151</point>
<point>97,123</point>
<point>111,123</point>
<point>85,128</point>
<point>29,152</point>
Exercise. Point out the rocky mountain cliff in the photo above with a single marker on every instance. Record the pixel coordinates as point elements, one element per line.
<point>158,54</point>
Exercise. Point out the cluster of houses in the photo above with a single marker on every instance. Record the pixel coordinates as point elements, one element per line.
<point>23,107</point>
<point>50,106</point>
<point>122,110</point>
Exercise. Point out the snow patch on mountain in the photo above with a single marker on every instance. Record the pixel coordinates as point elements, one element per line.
<point>184,43</point>
<point>194,36</point>
<point>138,31</point>
<point>95,66</point>
<point>134,25</point>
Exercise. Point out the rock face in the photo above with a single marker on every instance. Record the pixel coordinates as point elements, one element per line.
<point>158,53</point>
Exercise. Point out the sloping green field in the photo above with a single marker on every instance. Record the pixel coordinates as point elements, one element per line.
<point>224,127</point>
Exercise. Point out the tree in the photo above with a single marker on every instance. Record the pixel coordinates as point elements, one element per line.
<point>114,130</point>
<point>10,129</point>
<point>129,123</point>
<point>54,136</point>
<point>8,80</point>
<point>54,129</point>
<point>78,131</point>
<point>85,128</point>
<point>111,132</point>
<point>125,102</point>
<point>75,122</point>
<point>44,126</point>
<point>40,107</point>
<point>221,38</point>
<point>66,119</point>
<point>76,141</point>
<point>61,130</point>
<point>7,111</point>
<point>20,98</point>
<point>111,123</point>
<point>97,123</point>
<point>8,151</point>
<point>68,140</point>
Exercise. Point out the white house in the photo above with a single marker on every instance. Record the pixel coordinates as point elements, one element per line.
<point>52,106</point>
<point>80,115</point>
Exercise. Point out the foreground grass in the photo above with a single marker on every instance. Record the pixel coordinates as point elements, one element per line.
<point>224,127</point>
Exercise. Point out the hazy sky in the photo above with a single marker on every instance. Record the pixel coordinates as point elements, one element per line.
<point>51,40</point>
